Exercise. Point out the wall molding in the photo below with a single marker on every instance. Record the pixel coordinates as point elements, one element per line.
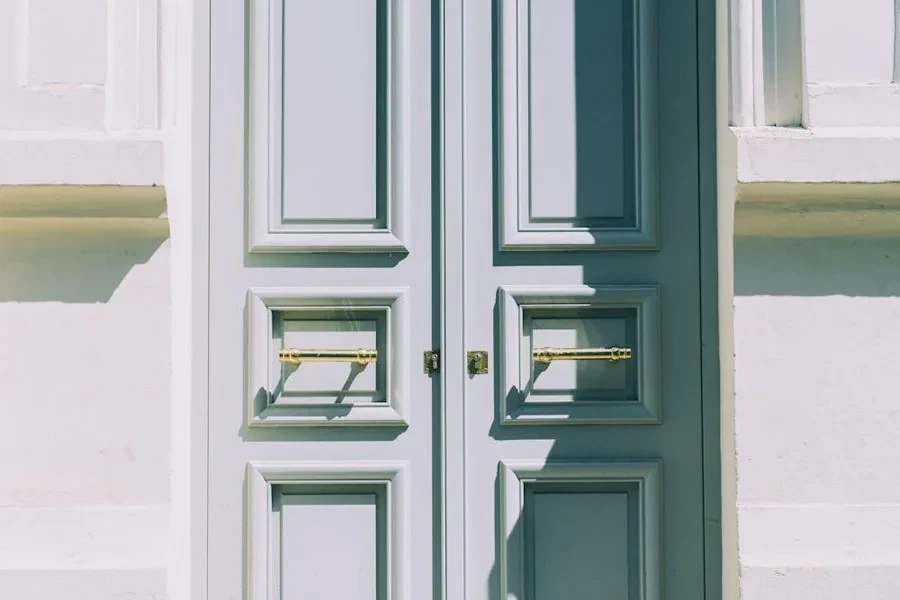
<point>81,158</point>
<point>133,60</point>
<point>853,105</point>
<point>804,210</point>
<point>766,63</point>
<point>823,155</point>
<point>81,94</point>
<point>822,182</point>
<point>136,210</point>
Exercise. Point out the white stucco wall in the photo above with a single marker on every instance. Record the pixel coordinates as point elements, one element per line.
<point>816,314</point>
<point>84,375</point>
<point>84,303</point>
<point>816,417</point>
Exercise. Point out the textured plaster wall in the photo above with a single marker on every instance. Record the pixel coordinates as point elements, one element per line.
<point>84,378</point>
<point>817,323</point>
<point>84,308</point>
<point>817,419</point>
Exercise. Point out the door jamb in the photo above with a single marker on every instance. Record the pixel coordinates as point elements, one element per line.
<point>187,160</point>
<point>712,312</point>
<point>718,168</point>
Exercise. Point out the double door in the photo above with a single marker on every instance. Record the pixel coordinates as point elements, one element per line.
<point>454,308</point>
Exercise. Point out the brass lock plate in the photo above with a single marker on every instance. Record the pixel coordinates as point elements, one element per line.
<point>431,362</point>
<point>477,361</point>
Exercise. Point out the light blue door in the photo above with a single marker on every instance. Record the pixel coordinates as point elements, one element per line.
<point>512,184</point>
<point>577,130</point>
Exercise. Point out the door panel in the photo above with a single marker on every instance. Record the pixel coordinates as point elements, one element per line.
<point>536,319</point>
<point>329,101</point>
<point>584,164</point>
<point>577,124</point>
<point>320,473</point>
<point>328,530</point>
<point>576,528</point>
<point>306,392</point>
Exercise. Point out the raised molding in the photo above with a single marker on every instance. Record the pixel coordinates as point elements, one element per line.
<point>644,300</point>
<point>516,475</point>
<point>263,549</point>
<point>51,158</point>
<point>52,74</point>
<point>823,182</point>
<point>103,75</point>
<point>514,144</point>
<point>262,303</point>
<point>267,231</point>
<point>80,94</point>
<point>822,155</point>
<point>137,210</point>
<point>766,63</point>
<point>133,58</point>
<point>801,210</point>
<point>82,201</point>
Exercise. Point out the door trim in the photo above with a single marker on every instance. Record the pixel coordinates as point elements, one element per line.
<point>449,148</point>
<point>187,185</point>
<point>187,177</point>
<point>711,364</point>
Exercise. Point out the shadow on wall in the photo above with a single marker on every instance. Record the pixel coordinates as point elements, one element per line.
<point>74,266</point>
<point>817,267</point>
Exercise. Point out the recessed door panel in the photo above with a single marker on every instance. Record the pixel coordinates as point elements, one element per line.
<point>586,379</point>
<point>578,543</point>
<point>580,529</point>
<point>343,381</point>
<point>350,522</point>
<point>578,354</point>
<point>579,54</point>
<point>332,357</point>
<point>578,132</point>
<point>321,283</point>
<point>333,112</point>
<point>581,280</point>
<point>327,529</point>
<point>328,140</point>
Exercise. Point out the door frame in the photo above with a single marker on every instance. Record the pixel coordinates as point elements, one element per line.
<point>187,189</point>
<point>719,585</point>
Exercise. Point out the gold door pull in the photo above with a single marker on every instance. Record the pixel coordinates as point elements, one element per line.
<point>548,355</point>
<point>360,356</point>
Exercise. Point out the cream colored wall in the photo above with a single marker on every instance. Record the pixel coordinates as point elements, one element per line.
<point>84,302</point>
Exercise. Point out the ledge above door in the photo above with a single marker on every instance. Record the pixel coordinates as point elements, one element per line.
<point>134,209</point>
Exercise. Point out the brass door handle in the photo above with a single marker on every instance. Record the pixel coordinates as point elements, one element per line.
<point>548,355</point>
<point>360,356</point>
